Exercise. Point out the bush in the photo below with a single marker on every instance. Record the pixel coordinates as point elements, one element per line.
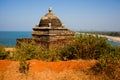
<point>95,47</point>
<point>23,66</point>
<point>85,47</point>
<point>109,64</point>
<point>3,54</point>
<point>81,46</point>
<point>28,51</point>
<point>24,52</point>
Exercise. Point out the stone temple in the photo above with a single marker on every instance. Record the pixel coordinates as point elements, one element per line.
<point>49,31</point>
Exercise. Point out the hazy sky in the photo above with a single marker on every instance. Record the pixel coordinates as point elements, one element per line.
<point>92,15</point>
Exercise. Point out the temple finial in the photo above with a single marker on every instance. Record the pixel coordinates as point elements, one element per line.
<point>50,10</point>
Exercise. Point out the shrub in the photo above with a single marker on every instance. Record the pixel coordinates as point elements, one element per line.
<point>27,51</point>
<point>85,47</point>
<point>3,54</point>
<point>95,47</point>
<point>23,66</point>
<point>81,46</point>
<point>109,64</point>
<point>24,52</point>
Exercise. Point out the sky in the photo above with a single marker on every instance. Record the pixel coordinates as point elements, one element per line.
<point>78,15</point>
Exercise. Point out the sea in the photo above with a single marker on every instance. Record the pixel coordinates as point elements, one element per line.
<point>8,38</point>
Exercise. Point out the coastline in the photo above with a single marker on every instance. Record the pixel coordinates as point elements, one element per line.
<point>117,39</point>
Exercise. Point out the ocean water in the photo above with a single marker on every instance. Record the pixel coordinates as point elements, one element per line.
<point>8,38</point>
<point>114,43</point>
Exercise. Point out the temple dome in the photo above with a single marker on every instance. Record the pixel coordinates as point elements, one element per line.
<point>50,19</point>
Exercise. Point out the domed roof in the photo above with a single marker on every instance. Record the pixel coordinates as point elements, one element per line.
<point>50,19</point>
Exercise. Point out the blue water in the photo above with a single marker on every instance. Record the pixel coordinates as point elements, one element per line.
<point>8,38</point>
<point>114,43</point>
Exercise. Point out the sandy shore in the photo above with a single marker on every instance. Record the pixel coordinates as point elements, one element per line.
<point>112,38</point>
<point>9,49</point>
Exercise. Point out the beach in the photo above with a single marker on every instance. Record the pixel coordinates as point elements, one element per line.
<point>9,49</point>
<point>111,37</point>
